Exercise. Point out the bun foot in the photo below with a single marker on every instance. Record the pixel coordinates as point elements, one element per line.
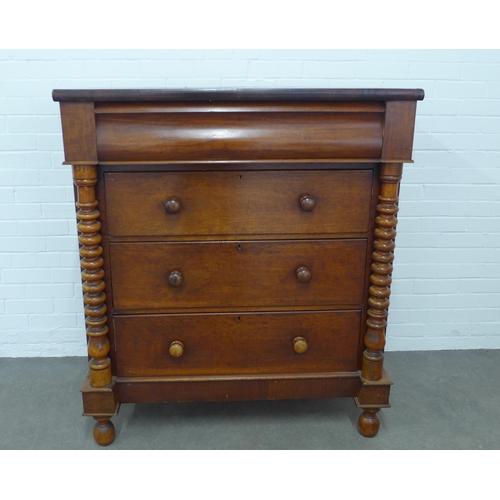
<point>104,431</point>
<point>368,423</point>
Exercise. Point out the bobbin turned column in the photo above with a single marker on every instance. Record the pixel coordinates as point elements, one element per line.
<point>372,369</point>
<point>85,178</point>
<point>383,256</point>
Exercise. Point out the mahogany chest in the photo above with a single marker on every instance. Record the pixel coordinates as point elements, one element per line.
<point>236,244</point>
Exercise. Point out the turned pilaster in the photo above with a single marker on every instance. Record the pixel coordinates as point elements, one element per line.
<point>383,256</point>
<point>85,178</point>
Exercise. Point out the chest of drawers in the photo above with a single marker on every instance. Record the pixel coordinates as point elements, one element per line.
<point>236,245</point>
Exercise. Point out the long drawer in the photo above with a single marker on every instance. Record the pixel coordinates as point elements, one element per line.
<point>239,203</point>
<point>238,274</point>
<point>242,343</point>
<point>228,131</point>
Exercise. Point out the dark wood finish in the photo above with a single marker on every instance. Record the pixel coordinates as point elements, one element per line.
<point>232,165</point>
<point>233,261</point>
<point>99,401</point>
<point>175,278</point>
<point>85,178</point>
<point>399,126</point>
<point>79,135</point>
<point>238,274</point>
<point>235,237</point>
<point>101,203</point>
<point>104,431</point>
<point>237,343</point>
<point>372,396</point>
<point>307,203</point>
<point>368,423</point>
<point>239,202</point>
<point>173,205</point>
<point>296,386</point>
<point>381,279</point>
<point>303,274</point>
<point>239,95</point>
<point>224,136</point>
<point>258,106</point>
<point>374,393</point>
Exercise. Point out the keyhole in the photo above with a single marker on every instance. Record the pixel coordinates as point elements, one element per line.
<point>241,177</point>
<point>239,247</point>
<point>239,318</point>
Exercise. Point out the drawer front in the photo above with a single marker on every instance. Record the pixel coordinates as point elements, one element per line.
<point>239,132</point>
<point>238,274</point>
<point>242,343</point>
<point>238,203</point>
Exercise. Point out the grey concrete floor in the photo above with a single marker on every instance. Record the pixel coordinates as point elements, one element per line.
<point>440,400</point>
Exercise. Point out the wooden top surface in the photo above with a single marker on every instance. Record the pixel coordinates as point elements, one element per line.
<point>208,95</point>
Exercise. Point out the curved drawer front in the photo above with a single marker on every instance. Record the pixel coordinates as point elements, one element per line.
<point>230,135</point>
<point>238,203</point>
<point>236,274</point>
<point>237,343</point>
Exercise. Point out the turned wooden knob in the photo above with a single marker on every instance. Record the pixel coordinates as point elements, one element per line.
<point>175,278</point>
<point>176,349</point>
<point>299,344</point>
<point>307,203</point>
<point>173,205</point>
<point>303,274</point>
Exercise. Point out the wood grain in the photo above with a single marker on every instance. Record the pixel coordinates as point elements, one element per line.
<point>237,343</point>
<point>137,390</point>
<point>79,133</point>
<point>240,107</point>
<point>237,225</point>
<point>91,262</point>
<point>381,279</point>
<point>240,202</point>
<point>233,274</point>
<point>229,136</point>
<point>399,129</point>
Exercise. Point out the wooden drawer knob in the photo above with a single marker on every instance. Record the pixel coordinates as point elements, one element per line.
<point>299,344</point>
<point>307,203</point>
<point>176,349</point>
<point>175,278</point>
<point>303,274</point>
<point>173,205</point>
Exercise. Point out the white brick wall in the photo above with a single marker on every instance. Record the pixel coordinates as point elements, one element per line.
<point>446,291</point>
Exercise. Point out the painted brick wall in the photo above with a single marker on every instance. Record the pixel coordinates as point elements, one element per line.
<point>446,291</point>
